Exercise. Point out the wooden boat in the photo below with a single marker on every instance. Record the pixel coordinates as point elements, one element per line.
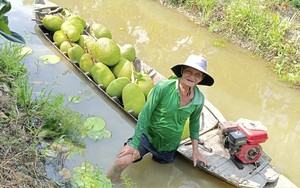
<point>222,164</point>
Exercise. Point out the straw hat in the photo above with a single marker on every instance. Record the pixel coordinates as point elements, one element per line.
<point>196,62</point>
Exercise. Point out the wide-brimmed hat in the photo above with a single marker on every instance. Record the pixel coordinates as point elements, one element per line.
<point>197,62</point>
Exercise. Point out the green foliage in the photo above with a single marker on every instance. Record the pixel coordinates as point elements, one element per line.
<point>295,3</point>
<point>260,26</point>
<point>204,8</point>
<point>24,94</point>
<point>268,31</point>
<point>257,25</point>
<point>17,131</point>
<point>4,29</point>
<point>88,177</point>
<point>95,128</point>
<point>49,111</point>
<point>54,118</point>
<point>176,2</point>
<point>10,60</point>
<point>58,120</point>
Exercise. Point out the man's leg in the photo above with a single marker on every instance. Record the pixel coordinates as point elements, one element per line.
<point>114,173</point>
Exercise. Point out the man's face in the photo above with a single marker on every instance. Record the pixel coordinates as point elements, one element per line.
<point>191,76</point>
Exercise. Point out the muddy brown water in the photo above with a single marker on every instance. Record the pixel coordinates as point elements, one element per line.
<point>245,87</point>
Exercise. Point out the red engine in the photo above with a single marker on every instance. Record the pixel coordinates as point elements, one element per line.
<point>242,139</point>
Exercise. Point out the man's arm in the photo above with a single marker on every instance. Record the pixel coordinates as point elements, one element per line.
<point>197,157</point>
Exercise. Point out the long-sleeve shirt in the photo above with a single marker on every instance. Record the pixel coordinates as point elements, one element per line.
<point>162,119</point>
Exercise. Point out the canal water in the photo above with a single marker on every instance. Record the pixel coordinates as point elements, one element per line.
<point>245,86</point>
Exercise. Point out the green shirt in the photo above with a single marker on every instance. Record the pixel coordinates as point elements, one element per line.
<point>162,119</point>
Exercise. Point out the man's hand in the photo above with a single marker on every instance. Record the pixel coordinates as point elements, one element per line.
<point>197,157</point>
<point>128,150</point>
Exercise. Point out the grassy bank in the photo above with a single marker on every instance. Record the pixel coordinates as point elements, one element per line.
<point>21,165</point>
<point>28,123</point>
<point>270,29</point>
<point>38,129</point>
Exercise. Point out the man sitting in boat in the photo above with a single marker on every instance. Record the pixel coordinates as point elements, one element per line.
<point>161,122</point>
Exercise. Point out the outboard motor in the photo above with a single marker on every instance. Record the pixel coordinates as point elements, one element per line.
<point>242,139</point>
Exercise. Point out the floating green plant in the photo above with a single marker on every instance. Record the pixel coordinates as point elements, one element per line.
<point>95,128</point>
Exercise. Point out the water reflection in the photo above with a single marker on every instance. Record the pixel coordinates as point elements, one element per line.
<point>141,34</point>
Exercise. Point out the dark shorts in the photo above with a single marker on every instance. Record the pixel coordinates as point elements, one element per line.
<point>160,157</point>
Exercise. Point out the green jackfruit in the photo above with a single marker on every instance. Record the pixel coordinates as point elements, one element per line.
<point>128,52</point>
<point>102,75</point>
<point>75,53</point>
<point>52,22</point>
<point>86,63</point>
<point>59,37</point>
<point>106,51</point>
<point>133,98</point>
<point>99,31</point>
<point>123,69</point>
<point>145,82</point>
<point>116,87</point>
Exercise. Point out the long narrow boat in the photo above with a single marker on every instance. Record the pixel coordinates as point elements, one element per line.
<point>242,164</point>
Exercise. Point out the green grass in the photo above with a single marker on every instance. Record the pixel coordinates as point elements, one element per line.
<point>295,3</point>
<point>10,65</point>
<point>260,25</point>
<point>22,118</point>
<point>21,165</point>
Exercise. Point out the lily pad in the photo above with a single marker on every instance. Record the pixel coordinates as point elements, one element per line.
<point>95,128</point>
<point>99,134</point>
<point>50,59</point>
<point>94,124</point>
<point>25,51</point>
